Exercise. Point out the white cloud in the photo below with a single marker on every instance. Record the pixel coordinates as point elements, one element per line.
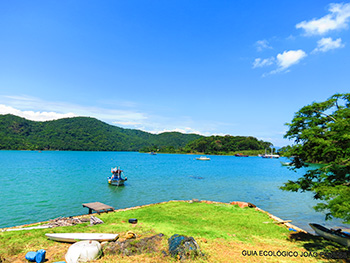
<point>289,58</point>
<point>262,44</point>
<point>259,63</point>
<point>283,60</point>
<point>336,20</point>
<point>34,115</point>
<point>39,110</point>
<point>326,44</point>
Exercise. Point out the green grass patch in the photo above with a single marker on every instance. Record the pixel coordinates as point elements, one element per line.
<point>199,219</point>
<point>216,222</point>
<point>204,220</point>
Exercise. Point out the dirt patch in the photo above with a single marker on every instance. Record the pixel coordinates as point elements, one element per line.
<point>230,251</point>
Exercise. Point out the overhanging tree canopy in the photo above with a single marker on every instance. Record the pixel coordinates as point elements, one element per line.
<point>321,132</point>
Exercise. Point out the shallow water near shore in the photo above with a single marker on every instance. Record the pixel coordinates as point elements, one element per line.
<point>37,186</point>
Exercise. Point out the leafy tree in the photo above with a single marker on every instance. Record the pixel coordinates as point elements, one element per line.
<point>321,132</point>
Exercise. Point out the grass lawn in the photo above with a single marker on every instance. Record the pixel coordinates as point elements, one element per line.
<point>225,233</point>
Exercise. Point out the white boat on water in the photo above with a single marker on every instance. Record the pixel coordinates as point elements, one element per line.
<point>74,237</point>
<point>270,156</point>
<point>116,178</point>
<point>334,235</point>
<point>203,158</point>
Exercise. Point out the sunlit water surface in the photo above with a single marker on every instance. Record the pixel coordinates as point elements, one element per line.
<point>37,186</point>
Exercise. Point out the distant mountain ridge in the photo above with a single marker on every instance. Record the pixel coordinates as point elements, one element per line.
<point>82,134</point>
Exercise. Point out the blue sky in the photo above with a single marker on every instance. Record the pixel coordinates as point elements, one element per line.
<point>210,67</point>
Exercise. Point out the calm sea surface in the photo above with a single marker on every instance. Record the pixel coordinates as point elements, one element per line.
<point>37,186</point>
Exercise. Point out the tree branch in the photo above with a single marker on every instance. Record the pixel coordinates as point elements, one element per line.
<point>326,115</point>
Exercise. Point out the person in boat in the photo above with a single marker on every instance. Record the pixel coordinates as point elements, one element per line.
<point>114,173</point>
<point>117,174</point>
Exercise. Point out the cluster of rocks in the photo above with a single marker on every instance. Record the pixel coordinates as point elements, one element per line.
<point>183,247</point>
<point>66,221</point>
<point>71,221</point>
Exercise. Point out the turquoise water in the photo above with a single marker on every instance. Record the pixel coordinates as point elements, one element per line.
<point>37,186</point>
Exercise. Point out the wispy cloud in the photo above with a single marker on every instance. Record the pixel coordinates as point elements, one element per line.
<point>36,109</point>
<point>34,115</point>
<point>326,44</point>
<point>262,44</point>
<point>336,20</point>
<point>259,62</point>
<point>127,123</point>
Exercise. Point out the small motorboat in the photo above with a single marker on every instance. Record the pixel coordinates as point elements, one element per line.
<point>241,155</point>
<point>116,178</point>
<point>270,156</point>
<point>331,234</point>
<point>203,158</point>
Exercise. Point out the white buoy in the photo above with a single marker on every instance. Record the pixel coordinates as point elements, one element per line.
<point>83,251</point>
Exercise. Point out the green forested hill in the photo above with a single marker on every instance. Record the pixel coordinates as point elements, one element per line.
<point>227,144</point>
<point>81,133</point>
<point>90,134</point>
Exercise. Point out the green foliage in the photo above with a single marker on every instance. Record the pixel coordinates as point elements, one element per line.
<point>225,144</point>
<point>170,142</point>
<point>285,151</point>
<point>321,132</point>
<point>81,134</point>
